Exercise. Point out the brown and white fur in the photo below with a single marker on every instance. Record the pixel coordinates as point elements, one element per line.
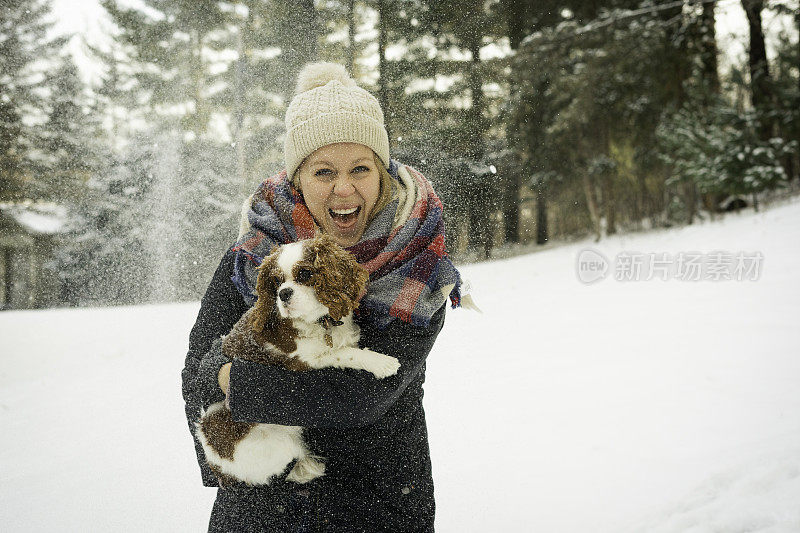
<point>302,320</point>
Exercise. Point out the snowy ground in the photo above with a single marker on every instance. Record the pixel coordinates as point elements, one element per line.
<point>565,407</point>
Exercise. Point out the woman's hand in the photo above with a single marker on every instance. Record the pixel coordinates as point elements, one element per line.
<point>224,377</point>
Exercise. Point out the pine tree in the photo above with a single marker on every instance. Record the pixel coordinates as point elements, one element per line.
<point>761,94</point>
<point>593,88</point>
<point>23,41</point>
<point>171,48</point>
<point>271,44</point>
<point>104,260</point>
<point>441,77</point>
<point>114,99</point>
<point>722,152</point>
<point>339,20</point>
<point>786,83</point>
<point>526,115</point>
<point>71,134</point>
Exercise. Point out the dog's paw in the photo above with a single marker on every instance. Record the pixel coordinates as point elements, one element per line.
<point>383,366</point>
<point>306,469</point>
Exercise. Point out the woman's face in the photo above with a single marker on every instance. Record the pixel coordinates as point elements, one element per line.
<point>341,184</point>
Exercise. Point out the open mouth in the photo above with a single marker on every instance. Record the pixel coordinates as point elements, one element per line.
<point>345,218</point>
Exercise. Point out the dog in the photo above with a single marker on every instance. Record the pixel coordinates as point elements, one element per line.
<point>302,320</point>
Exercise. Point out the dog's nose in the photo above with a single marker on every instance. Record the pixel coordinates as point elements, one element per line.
<point>285,294</point>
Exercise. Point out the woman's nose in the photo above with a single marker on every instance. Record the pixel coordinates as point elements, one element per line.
<point>343,187</point>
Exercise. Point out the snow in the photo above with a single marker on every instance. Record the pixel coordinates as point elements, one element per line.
<point>663,406</point>
<point>44,218</point>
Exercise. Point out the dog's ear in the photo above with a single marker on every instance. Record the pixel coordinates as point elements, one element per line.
<point>265,312</point>
<point>339,280</point>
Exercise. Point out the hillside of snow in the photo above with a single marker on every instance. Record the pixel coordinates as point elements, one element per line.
<point>617,406</point>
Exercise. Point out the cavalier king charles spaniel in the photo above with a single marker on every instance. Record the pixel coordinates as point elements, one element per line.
<point>302,320</point>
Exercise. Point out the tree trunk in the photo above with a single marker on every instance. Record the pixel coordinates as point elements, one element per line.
<point>607,180</point>
<point>516,17</point>
<point>609,203</point>
<point>481,223</point>
<point>197,126</point>
<point>511,196</point>
<point>677,67</point>
<point>515,20</point>
<point>690,199</point>
<point>645,205</point>
<point>476,126</point>
<point>708,48</point>
<point>238,116</point>
<point>298,34</point>
<point>5,278</point>
<point>760,86</point>
<point>796,156</point>
<point>114,77</point>
<point>383,88</point>
<point>541,216</point>
<point>475,122</point>
<point>351,36</point>
<point>591,203</point>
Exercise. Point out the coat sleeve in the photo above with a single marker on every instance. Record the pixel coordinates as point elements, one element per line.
<point>220,309</point>
<point>333,397</point>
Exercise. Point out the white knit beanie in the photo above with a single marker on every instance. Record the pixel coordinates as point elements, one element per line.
<point>329,107</point>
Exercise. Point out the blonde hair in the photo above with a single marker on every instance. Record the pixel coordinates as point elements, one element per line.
<point>388,188</point>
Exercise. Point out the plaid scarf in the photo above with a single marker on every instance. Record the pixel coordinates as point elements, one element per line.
<point>403,249</point>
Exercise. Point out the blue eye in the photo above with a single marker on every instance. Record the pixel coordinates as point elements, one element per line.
<point>361,168</point>
<point>323,172</point>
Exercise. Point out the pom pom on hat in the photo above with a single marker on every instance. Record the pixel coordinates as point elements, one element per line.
<point>330,107</point>
<point>316,75</point>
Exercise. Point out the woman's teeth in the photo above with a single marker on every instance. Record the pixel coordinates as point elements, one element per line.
<point>345,218</point>
<point>349,211</point>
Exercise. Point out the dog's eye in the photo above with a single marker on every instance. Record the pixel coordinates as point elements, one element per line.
<point>303,275</point>
<point>275,281</point>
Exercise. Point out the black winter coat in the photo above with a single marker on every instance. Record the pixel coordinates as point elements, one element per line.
<point>371,432</point>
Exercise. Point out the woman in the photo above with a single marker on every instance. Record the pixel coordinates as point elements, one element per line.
<point>338,180</point>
